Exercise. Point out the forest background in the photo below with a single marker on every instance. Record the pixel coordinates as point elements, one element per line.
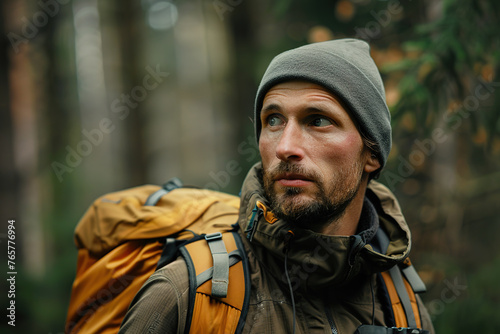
<point>98,96</point>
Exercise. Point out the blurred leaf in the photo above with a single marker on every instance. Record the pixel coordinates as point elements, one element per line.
<point>281,7</point>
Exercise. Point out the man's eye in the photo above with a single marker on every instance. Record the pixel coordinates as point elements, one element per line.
<point>274,120</point>
<point>321,121</point>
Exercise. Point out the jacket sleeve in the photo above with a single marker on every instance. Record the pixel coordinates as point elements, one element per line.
<point>161,304</point>
<point>426,318</point>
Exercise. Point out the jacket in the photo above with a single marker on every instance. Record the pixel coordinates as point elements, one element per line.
<point>333,278</point>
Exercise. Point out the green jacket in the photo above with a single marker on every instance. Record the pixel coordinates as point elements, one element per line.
<point>333,277</point>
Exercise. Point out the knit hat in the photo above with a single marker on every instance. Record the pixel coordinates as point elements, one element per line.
<point>344,67</point>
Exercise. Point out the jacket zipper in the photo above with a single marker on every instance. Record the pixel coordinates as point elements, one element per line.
<point>252,225</point>
<point>330,320</point>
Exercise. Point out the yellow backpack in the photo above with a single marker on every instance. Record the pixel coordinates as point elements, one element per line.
<point>125,236</point>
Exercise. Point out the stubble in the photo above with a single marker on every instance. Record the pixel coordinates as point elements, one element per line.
<point>325,206</point>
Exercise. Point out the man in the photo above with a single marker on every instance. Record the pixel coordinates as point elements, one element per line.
<point>324,132</point>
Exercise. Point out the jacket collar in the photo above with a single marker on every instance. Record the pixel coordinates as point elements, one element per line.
<point>318,260</point>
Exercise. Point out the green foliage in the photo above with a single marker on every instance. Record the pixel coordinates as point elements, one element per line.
<point>478,312</point>
<point>455,52</point>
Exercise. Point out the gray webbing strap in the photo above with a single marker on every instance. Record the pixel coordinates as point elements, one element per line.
<point>397,279</point>
<point>155,197</point>
<point>234,257</point>
<point>415,281</point>
<point>383,241</point>
<point>410,273</point>
<point>220,279</point>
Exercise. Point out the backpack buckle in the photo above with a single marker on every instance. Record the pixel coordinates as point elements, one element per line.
<point>213,236</point>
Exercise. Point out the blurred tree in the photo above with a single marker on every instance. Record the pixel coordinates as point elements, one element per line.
<point>444,116</point>
<point>129,22</point>
<point>9,177</point>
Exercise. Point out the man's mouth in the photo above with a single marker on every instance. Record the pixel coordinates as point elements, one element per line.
<point>292,180</point>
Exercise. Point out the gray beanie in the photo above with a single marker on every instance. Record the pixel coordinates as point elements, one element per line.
<point>344,67</point>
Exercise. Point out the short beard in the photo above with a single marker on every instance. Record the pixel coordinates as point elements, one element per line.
<point>327,205</point>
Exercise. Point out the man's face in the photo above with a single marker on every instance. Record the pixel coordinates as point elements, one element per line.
<point>313,156</point>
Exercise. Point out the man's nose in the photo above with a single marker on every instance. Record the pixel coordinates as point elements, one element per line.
<point>290,145</point>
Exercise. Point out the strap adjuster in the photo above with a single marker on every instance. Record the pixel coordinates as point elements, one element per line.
<point>220,278</point>
<point>213,236</point>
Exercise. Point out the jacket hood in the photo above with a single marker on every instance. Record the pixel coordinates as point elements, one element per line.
<point>318,260</point>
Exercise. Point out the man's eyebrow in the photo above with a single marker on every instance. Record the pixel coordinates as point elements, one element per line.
<point>271,107</point>
<point>322,108</point>
<point>318,109</point>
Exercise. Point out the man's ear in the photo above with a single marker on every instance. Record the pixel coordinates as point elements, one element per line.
<point>372,163</point>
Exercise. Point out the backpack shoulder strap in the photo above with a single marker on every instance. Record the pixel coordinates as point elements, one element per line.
<point>155,197</point>
<point>400,284</point>
<point>219,283</point>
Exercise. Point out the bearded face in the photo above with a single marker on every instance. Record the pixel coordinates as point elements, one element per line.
<point>313,157</point>
<point>313,208</point>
